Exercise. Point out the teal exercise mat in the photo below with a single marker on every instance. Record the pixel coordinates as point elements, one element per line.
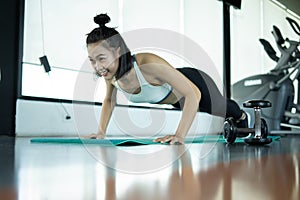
<point>135,141</point>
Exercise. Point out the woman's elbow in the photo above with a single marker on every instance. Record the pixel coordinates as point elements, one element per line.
<point>194,97</point>
<point>197,94</point>
<point>199,97</point>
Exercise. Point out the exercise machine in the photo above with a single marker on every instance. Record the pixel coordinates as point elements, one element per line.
<point>277,86</point>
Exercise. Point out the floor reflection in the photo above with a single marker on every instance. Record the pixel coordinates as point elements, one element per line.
<point>267,177</point>
<point>66,171</point>
<point>8,189</point>
<point>256,177</point>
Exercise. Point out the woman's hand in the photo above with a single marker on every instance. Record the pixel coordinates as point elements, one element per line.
<point>95,136</point>
<point>172,139</point>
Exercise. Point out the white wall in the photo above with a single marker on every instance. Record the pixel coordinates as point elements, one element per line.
<point>254,21</point>
<point>38,118</point>
<point>245,32</point>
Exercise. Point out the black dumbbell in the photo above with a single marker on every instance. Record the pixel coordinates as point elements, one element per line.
<point>260,129</point>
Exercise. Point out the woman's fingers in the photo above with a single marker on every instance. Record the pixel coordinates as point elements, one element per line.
<point>162,139</point>
<point>172,139</point>
<point>175,141</point>
<point>90,136</point>
<point>100,136</point>
<point>94,136</point>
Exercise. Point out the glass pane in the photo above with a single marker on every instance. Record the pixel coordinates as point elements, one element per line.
<point>60,33</point>
<point>62,84</point>
<point>245,46</point>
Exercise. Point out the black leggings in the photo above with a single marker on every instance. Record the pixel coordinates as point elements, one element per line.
<point>212,101</point>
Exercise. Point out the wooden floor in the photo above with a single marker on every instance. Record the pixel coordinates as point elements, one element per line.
<point>196,171</point>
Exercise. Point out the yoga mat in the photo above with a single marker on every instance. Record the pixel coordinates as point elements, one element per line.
<point>134,141</point>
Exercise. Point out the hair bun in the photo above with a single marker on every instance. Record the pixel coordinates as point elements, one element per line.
<point>102,19</point>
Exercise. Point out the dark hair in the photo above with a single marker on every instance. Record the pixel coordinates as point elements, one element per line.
<point>114,40</point>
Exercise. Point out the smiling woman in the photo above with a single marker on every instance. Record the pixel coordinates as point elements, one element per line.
<point>146,77</point>
<point>103,56</point>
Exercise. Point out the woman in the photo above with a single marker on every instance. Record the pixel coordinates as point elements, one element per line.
<point>146,77</point>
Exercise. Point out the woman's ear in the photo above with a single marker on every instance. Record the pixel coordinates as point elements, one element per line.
<point>119,51</point>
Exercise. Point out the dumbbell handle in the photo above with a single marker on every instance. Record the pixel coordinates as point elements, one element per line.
<point>245,130</point>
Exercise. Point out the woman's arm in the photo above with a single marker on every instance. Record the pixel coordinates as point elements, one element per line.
<point>163,71</point>
<point>107,109</point>
<point>192,97</point>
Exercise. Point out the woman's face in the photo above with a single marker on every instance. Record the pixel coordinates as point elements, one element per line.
<point>105,60</point>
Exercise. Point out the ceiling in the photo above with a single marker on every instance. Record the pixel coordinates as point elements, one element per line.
<point>293,5</point>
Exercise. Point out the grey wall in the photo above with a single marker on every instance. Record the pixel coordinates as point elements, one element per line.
<point>10,58</point>
<point>293,5</point>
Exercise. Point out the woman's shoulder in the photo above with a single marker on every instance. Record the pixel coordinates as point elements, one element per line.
<point>149,58</point>
<point>151,64</point>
